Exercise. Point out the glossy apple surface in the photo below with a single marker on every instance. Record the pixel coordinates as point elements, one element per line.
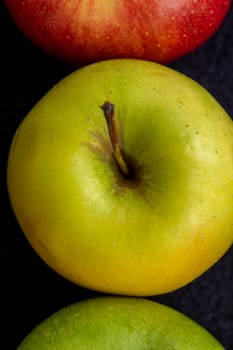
<point>151,232</point>
<point>82,32</point>
<point>119,323</point>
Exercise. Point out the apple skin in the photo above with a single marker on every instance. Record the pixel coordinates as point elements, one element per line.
<point>145,235</point>
<point>115,323</point>
<point>82,32</point>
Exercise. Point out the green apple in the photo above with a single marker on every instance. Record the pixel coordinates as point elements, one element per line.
<point>145,230</point>
<point>119,323</point>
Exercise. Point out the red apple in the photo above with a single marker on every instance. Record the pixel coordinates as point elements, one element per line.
<point>82,32</point>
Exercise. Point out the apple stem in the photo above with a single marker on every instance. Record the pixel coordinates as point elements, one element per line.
<point>108,109</point>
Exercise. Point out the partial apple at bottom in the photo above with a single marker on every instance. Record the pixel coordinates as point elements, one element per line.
<point>119,323</point>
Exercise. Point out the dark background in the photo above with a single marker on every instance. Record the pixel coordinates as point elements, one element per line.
<point>29,290</point>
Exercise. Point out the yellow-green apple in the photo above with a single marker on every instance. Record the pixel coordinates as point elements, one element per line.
<point>119,323</point>
<point>121,178</point>
<point>82,32</point>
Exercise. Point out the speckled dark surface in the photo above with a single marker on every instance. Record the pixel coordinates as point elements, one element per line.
<point>29,290</point>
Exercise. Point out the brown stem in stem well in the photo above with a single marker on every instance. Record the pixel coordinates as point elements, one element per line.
<point>108,109</point>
